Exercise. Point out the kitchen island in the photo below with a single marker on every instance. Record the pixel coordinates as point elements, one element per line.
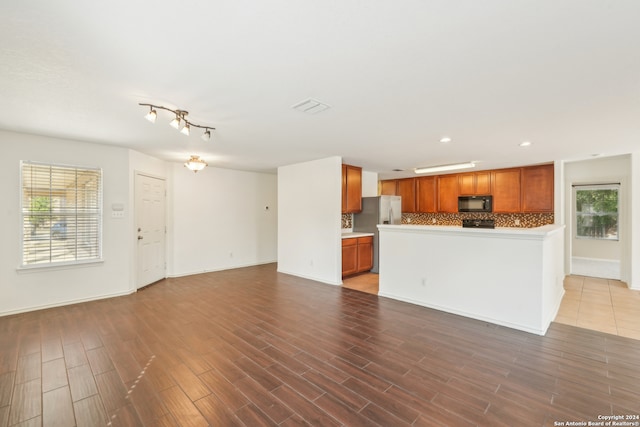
<point>507,276</point>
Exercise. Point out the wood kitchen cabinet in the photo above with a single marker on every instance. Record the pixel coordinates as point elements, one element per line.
<point>506,190</point>
<point>406,188</point>
<point>426,200</point>
<point>365,253</point>
<point>351,189</point>
<point>447,187</point>
<point>357,255</point>
<point>388,187</point>
<point>474,184</point>
<point>537,188</point>
<point>349,256</point>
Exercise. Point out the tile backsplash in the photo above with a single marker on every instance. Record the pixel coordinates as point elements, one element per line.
<point>523,220</point>
<point>347,220</point>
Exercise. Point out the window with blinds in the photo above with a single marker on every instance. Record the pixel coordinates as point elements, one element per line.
<point>61,214</point>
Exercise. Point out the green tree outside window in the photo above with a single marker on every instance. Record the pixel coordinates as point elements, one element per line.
<point>597,212</point>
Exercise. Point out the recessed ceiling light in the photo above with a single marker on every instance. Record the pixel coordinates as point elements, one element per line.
<point>445,140</point>
<point>525,144</point>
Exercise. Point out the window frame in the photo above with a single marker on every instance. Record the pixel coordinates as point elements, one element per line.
<point>98,215</point>
<point>603,186</point>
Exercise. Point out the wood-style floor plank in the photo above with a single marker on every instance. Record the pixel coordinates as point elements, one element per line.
<point>57,408</point>
<point>253,347</point>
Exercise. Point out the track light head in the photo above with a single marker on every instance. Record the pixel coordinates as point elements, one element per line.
<point>175,123</point>
<point>151,115</point>
<point>206,135</point>
<point>186,129</point>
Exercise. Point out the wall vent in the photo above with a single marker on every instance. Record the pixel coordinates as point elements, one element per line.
<point>311,106</point>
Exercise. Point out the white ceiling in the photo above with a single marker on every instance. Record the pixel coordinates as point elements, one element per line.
<point>399,75</point>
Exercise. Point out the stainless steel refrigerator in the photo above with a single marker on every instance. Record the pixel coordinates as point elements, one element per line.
<point>377,210</point>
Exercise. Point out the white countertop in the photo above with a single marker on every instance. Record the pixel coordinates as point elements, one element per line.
<point>352,235</point>
<point>499,232</point>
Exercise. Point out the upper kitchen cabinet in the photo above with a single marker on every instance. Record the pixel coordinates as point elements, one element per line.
<point>537,188</point>
<point>506,190</point>
<point>447,187</point>
<point>351,189</point>
<point>426,200</point>
<point>476,183</point>
<point>389,187</point>
<point>406,188</point>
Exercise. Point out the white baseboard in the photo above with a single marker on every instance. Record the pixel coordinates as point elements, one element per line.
<point>595,267</point>
<point>230,267</point>
<point>63,303</point>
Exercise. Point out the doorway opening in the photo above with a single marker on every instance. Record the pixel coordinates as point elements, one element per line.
<point>595,233</point>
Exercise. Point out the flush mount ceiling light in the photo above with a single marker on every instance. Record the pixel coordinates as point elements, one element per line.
<point>445,140</point>
<point>444,168</point>
<point>195,163</point>
<point>525,144</point>
<point>179,122</point>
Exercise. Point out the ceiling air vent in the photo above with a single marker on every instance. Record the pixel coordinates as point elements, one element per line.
<point>311,106</point>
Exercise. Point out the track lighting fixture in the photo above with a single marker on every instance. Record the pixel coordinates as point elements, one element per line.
<point>180,121</point>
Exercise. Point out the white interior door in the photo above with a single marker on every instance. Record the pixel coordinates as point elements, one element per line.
<point>151,229</point>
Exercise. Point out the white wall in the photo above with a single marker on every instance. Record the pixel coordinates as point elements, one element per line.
<point>219,219</point>
<point>631,255</point>
<point>600,170</point>
<point>309,224</point>
<point>369,184</point>
<point>39,288</point>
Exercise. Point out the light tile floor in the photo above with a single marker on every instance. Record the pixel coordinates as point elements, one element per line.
<point>600,304</point>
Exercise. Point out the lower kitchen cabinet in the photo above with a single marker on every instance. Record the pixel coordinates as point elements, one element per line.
<point>365,253</point>
<point>357,255</point>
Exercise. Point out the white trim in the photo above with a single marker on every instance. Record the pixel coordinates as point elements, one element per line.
<point>596,267</point>
<point>193,273</point>
<point>69,302</point>
<point>463,313</point>
<point>58,265</point>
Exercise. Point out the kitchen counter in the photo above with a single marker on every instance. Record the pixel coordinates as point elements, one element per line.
<point>507,276</point>
<point>353,235</point>
<point>498,232</point>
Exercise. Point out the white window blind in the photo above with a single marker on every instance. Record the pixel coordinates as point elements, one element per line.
<point>61,214</point>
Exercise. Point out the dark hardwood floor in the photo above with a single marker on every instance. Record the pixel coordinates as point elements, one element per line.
<point>251,347</point>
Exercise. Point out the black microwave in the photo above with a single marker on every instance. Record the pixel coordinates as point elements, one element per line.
<point>475,204</point>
